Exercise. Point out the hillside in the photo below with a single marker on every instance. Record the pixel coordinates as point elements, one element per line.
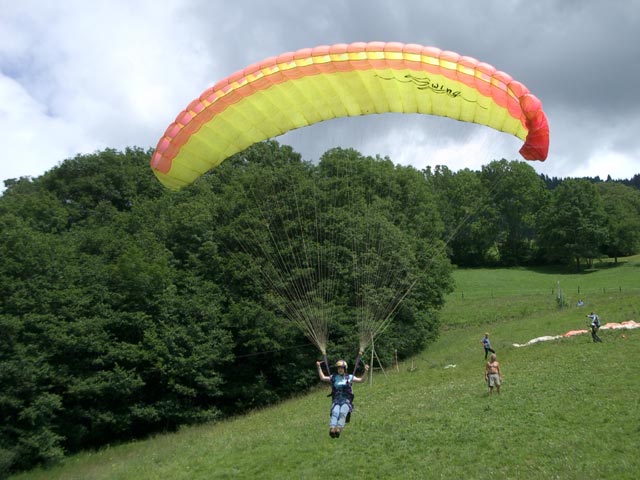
<point>569,408</point>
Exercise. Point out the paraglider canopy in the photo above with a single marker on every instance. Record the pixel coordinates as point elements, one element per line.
<point>298,89</point>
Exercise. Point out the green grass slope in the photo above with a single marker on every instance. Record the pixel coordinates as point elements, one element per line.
<point>569,408</point>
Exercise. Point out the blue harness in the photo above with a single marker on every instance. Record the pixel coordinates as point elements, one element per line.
<point>342,394</point>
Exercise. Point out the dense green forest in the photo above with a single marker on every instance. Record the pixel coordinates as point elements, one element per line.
<point>126,309</point>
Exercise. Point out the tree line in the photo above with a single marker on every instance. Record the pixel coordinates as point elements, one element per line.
<point>126,309</point>
<point>507,215</point>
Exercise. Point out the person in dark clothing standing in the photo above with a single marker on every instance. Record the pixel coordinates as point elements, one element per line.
<point>595,326</point>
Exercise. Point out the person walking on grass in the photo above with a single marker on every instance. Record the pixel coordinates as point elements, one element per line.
<point>492,374</point>
<point>487,345</point>
<point>595,326</point>
<point>341,395</point>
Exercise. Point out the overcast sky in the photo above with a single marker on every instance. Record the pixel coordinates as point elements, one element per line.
<point>80,76</point>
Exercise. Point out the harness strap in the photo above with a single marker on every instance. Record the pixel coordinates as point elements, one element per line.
<point>355,367</point>
<point>326,364</point>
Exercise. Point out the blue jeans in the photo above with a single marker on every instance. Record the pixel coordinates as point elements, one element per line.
<point>339,415</point>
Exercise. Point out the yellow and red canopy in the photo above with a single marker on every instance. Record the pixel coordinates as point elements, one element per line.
<point>311,85</point>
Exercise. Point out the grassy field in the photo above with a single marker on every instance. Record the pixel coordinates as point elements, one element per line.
<point>569,409</point>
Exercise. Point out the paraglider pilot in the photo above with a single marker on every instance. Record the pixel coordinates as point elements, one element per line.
<point>341,394</point>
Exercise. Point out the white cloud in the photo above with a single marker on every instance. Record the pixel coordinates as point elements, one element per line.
<point>36,138</point>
